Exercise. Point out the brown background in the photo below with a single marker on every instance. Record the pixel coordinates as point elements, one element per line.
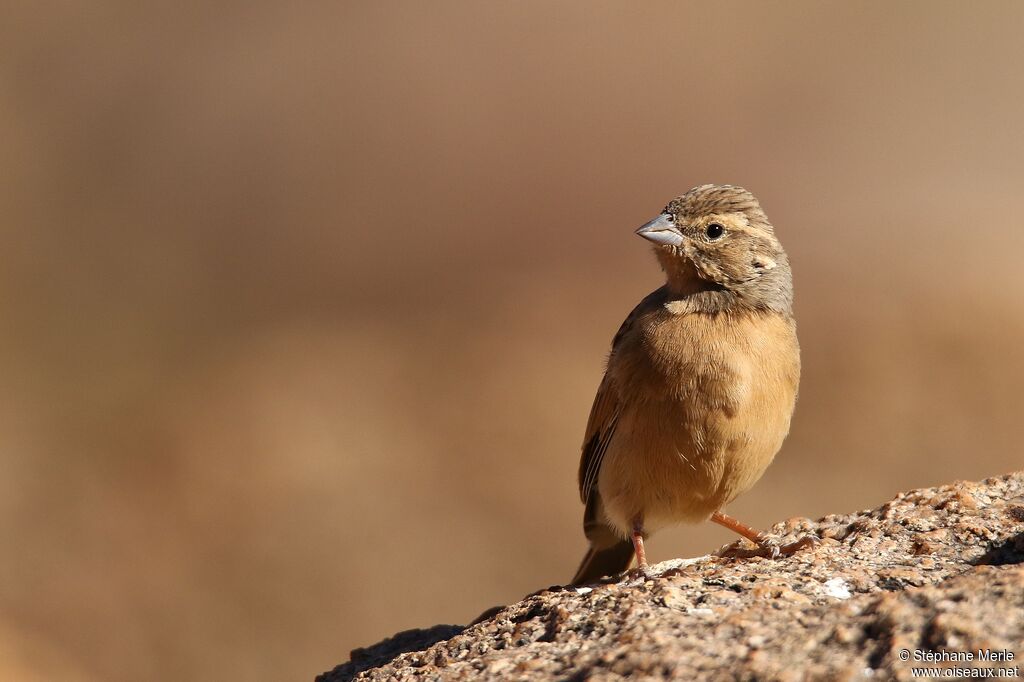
<point>304,306</point>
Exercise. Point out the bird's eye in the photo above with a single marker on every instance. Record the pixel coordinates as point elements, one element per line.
<point>714,231</point>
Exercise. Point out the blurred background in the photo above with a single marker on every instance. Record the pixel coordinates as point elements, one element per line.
<point>304,306</point>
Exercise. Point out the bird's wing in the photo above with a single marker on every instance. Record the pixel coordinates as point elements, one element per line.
<point>604,414</point>
<point>600,430</point>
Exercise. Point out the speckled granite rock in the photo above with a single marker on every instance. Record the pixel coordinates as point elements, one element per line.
<point>934,570</point>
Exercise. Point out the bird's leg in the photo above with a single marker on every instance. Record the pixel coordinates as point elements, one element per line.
<point>637,536</point>
<point>642,570</point>
<point>767,544</point>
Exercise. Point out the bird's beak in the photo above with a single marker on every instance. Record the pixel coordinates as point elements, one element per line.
<point>662,231</point>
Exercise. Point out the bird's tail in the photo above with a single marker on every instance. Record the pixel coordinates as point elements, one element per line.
<point>603,561</point>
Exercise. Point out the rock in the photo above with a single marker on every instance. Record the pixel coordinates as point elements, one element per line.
<point>923,581</point>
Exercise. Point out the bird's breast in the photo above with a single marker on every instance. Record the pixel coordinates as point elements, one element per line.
<point>707,402</point>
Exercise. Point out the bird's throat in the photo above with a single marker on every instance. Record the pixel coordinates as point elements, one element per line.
<point>683,278</point>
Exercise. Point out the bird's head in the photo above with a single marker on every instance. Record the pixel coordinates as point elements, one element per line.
<point>717,238</point>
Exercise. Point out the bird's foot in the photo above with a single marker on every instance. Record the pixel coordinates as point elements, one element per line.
<point>771,547</point>
<point>767,545</point>
<point>640,573</point>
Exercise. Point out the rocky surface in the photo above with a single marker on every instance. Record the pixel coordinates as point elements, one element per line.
<point>930,576</point>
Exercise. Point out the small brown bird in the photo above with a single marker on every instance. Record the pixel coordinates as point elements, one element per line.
<point>700,385</point>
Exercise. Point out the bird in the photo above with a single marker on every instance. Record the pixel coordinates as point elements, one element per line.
<point>700,385</point>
